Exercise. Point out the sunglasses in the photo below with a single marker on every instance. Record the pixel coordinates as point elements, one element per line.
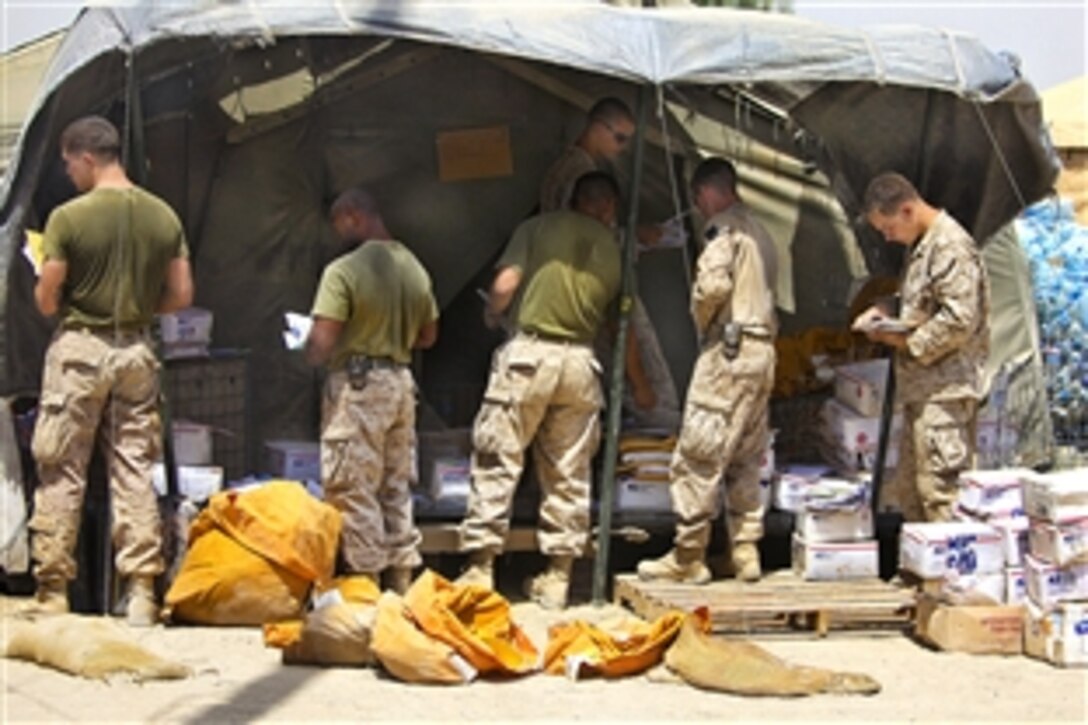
<point>621,138</point>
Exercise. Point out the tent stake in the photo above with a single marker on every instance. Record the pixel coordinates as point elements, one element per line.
<point>615,398</point>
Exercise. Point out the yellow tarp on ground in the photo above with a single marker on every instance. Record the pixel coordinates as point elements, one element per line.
<point>474,621</point>
<point>410,654</point>
<point>580,649</point>
<point>254,555</point>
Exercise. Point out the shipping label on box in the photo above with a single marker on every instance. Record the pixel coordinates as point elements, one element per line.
<point>192,443</point>
<point>1016,586</point>
<point>1049,584</point>
<point>1061,544</point>
<point>835,525</point>
<point>294,460</point>
<point>991,493</point>
<point>1059,636</point>
<point>861,386</point>
<point>971,629</point>
<point>196,483</point>
<point>835,561</point>
<point>936,550</point>
<point>1057,497</point>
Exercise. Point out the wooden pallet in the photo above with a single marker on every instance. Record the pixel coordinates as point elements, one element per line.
<point>781,601</point>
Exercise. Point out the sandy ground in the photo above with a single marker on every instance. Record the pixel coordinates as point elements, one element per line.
<point>238,679</point>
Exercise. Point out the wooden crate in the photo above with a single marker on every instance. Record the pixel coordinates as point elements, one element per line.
<point>780,602</point>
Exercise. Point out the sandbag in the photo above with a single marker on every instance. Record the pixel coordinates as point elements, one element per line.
<point>581,649</point>
<point>336,632</point>
<point>744,668</point>
<point>91,647</point>
<point>409,654</point>
<point>254,555</point>
<point>475,621</point>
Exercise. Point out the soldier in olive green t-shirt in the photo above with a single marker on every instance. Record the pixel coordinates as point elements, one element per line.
<point>114,257</point>
<point>543,390</point>
<point>374,305</point>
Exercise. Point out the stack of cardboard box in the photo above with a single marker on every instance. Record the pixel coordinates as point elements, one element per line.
<point>960,569</point>
<point>850,421</point>
<point>834,535</point>
<point>1056,567</point>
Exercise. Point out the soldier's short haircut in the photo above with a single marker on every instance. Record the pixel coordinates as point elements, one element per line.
<point>886,193</point>
<point>594,186</point>
<point>354,199</point>
<point>94,135</point>
<point>716,172</point>
<point>611,110</point>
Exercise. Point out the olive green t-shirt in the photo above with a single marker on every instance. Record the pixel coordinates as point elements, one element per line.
<point>383,296</point>
<point>570,267</point>
<point>118,244</point>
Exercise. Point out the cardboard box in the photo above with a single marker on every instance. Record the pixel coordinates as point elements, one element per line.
<point>857,436</point>
<point>971,629</point>
<point>936,550</point>
<point>644,496</point>
<point>1057,497</point>
<point>1016,586</point>
<point>835,561</point>
<point>192,443</point>
<point>196,483</point>
<point>1049,584</point>
<point>1014,538</point>
<point>861,386</point>
<point>1060,544</point>
<point>1059,636</point>
<point>293,460</point>
<point>990,493</point>
<point>821,526</point>
<point>191,326</point>
<point>445,461</point>
<point>792,483</point>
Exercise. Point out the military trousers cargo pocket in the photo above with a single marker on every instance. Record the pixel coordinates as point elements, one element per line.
<point>703,433</point>
<point>54,431</point>
<point>947,449</point>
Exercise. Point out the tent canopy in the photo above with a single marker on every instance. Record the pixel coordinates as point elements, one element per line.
<point>251,116</point>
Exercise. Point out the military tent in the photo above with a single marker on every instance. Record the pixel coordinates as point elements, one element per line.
<point>249,118</point>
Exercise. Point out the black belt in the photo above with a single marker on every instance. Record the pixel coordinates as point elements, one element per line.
<point>108,330</point>
<point>374,363</point>
<point>544,337</point>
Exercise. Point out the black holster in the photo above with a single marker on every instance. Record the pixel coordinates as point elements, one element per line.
<point>731,337</point>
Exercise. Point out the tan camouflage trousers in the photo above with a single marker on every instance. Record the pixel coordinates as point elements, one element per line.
<point>938,443</point>
<point>102,385</point>
<point>368,466</point>
<point>725,432</point>
<point>545,394</point>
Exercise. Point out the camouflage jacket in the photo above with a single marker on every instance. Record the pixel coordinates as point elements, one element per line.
<point>946,300</point>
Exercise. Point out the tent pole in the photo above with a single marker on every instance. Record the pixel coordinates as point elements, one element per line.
<point>615,398</point>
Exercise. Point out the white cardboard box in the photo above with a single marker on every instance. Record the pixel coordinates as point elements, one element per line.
<point>1059,636</point>
<point>1016,586</point>
<point>196,483</point>
<point>1060,544</point>
<point>817,527</point>
<point>1049,584</point>
<point>857,436</point>
<point>294,460</point>
<point>792,483</point>
<point>192,443</point>
<point>1057,497</point>
<point>861,386</point>
<point>650,496</point>
<point>935,550</point>
<point>192,325</point>
<point>835,561</point>
<point>990,493</point>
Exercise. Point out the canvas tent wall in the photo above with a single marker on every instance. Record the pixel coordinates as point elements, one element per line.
<point>376,83</point>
